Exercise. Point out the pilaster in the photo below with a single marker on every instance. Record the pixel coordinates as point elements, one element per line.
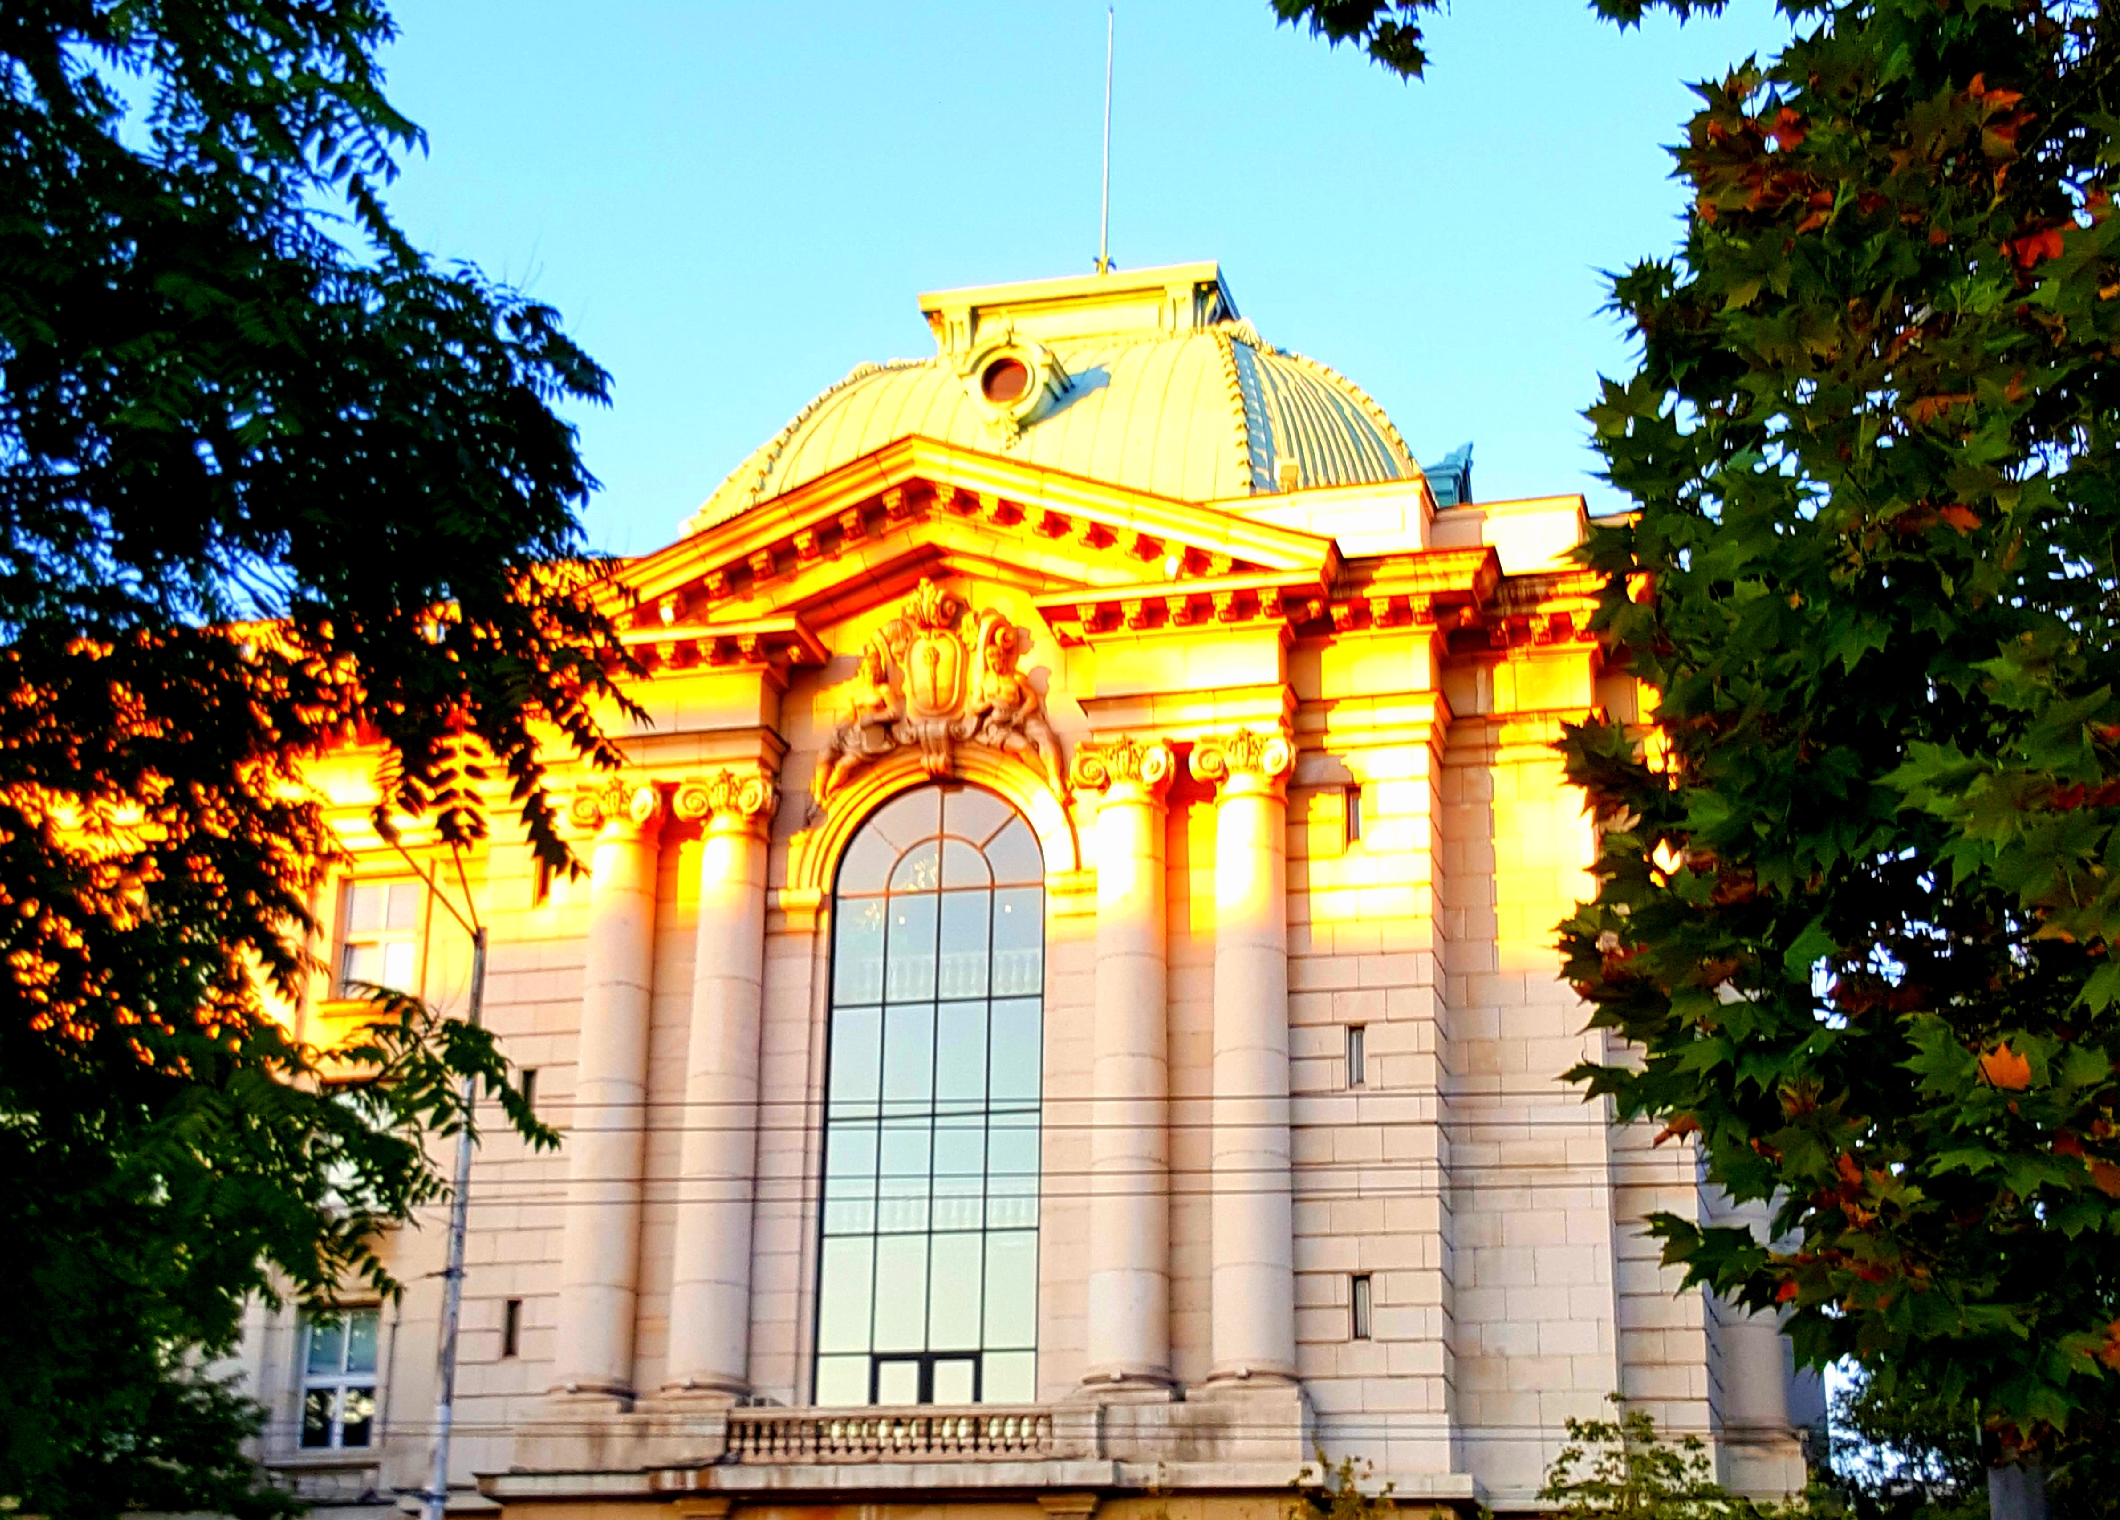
<point>606,1143</point>
<point>1253,1281</point>
<point>710,1299</point>
<point>1129,1286</point>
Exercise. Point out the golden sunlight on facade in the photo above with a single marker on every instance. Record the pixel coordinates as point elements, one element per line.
<point>1062,1016</point>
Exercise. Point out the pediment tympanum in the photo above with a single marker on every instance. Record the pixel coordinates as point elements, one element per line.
<point>868,533</point>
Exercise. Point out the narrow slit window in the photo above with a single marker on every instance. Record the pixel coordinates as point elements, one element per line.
<point>1357,1055</point>
<point>1352,809</point>
<point>530,1088</point>
<point>512,1328</point>
<point>1358,1306</point>
<point>540,881</point>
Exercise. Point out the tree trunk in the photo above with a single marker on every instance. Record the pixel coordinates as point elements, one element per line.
<point>2017,1493</point>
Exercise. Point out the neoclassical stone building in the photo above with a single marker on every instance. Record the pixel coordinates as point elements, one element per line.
<point>1061,1015</point>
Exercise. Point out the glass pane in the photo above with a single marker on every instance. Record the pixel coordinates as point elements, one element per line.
<point>960,1055</point>
<point>316,1416</point>
<point>909,1058</point>
<point>901,1292</point>
<point>897,1382</point>
<point>327,1346</point>
<point>857,1060</point>
<point>1012,1172</point>
<point>364,906</point>
<point>919,869</point>
<point>857,952</point>
<point>850,1178</point>
<point>400,968</point>
<point>911,959</point>
<point>902,1189</point>
<point>974,813</point>
<point>963,866</point>
<point>1010,1377</point>
<point>953,1380</point>
<point>356,1416</point>
<point>1019,942</point>
<point>360,1340</point>
<point>909,816</point>
<point>843,1380</point>
<point>963,970</point>
<point>843,1299</point>
<point>1014,1070</point>
<point>403,911</point>
<point>960,1171</point>
<point>953,1297</point>
<point>361,963</point>
<point>1014,857</point>
<point>1012,1288</point>
<point>866,864</point>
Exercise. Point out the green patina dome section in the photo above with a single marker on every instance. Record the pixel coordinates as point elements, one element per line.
<point>1148,379</point>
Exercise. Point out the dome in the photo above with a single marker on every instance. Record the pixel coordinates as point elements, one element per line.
<point>1148,379</point>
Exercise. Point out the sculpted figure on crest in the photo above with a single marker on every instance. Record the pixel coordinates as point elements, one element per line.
<point>919,684</point>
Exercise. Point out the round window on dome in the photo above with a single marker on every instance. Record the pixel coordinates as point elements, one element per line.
<point>1005,381</point>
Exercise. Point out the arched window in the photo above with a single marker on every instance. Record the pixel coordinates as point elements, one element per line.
<point>927,1284</point>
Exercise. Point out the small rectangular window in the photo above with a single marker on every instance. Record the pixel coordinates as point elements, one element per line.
<point>1357,1055</point>
<point>1352,804</point>
<point>512,1328</point>
<point>338,1380</point>
<point>530,1088</point>
<point>540,881</point>
<point>1358,1306</point>
<point>379,936</point>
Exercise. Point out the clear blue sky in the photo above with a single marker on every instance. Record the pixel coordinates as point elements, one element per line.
<point>735,203</point>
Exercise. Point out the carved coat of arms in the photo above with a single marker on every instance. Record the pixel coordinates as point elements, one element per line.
<point>936,675</point>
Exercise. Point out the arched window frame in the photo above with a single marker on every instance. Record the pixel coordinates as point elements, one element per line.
<point>933,1104</point>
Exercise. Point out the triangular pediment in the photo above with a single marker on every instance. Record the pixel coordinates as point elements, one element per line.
<point>870,531</point>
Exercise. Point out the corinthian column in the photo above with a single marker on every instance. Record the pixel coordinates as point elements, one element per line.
<point>1129,1210</point>
<point>600,1250</point>
<point>710,1291</point>
<point>1253,1294</point>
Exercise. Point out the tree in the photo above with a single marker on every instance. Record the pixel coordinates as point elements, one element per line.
<point>1906,1454</point>
<point>1856,896</point>
<point>1620,1468</point>
<point>269,480</point>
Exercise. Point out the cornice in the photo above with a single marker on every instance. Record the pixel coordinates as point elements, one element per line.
<point>662,639</point>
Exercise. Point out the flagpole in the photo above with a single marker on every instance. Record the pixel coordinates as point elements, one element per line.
<point>1104,227</point>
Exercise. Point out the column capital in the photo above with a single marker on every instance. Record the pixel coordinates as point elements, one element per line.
<point>734,800</point>
<point>626,804</point>
<point>1245,760</point>
<point>1124,768</point>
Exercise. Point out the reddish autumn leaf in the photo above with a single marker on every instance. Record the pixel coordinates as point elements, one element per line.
<point>1961,518</point>
<point>1929,408</point>
<point>2029,250</point>
<point>1680,1126</point>
<point>1786,1292</point>
<point>2107,1177</point>
<point>2004,1068</point>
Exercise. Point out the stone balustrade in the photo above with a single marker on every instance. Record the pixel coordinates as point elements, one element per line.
<point>928,1433</point>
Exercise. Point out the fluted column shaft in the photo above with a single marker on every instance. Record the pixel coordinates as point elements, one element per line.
<point>600,1249</point>
<point>710,1292</point>
<point>1129,1219</point>
<point>1253,1284</point>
